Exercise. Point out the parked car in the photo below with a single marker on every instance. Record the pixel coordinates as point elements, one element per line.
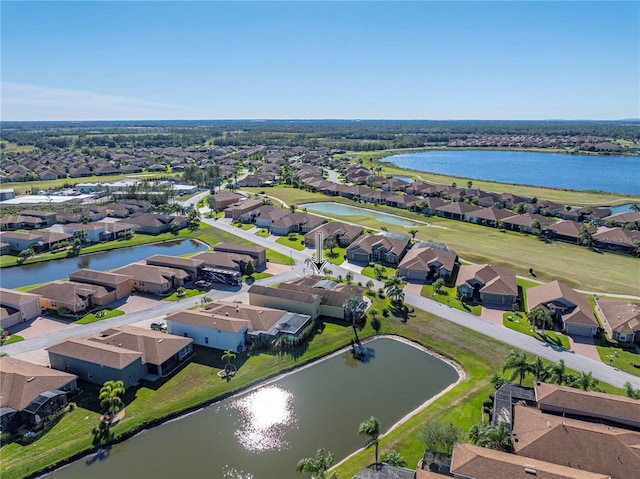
<point>159,326</point>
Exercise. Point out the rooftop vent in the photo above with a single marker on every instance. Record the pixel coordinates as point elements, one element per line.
<point>549,424</point>
<point>160,340</point>
<point>31,379</point>
<point>530,470</point>
<point>227,313</point>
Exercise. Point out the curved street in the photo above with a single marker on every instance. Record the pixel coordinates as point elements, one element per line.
<point>529,344</point>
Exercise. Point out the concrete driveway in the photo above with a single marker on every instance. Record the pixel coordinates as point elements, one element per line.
<point>584,346</point>
<point>39,327</point>
<point>494,313</point>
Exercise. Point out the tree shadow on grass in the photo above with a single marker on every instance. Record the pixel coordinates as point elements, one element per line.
<point>402,311</point>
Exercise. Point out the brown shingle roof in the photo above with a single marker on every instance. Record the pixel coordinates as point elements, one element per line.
<point>206,319</point>
<point>494,279</point>
<point>94,352</point>
<point>622,316</point>
<point>477,462</point>
<point>288,294</point>
<point>21,382</point>
<point>557,292</point>
<point>11,296</point>
<point>421,258</point>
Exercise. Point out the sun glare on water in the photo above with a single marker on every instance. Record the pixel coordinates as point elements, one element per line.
<point>265,413</point>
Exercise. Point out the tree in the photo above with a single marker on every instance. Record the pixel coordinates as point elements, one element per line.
<point>393,287</point>
<point>438,284</point>
<point>586,238</point>
<point>630,391</point>
<point>439,436</point>
<point>379,272</point>
<point>413,232</point>
<point>369,285</point>
<point>228,356</point>
<point>584,381</point>
<point>376,324</point>
<point>393,459</point>
<point>635,207</point>
<point>538,369</point>
<point>540,319</point>
<point>486,435</point>
<point>469,184</point>
<point>557,372</point>
<point>516,361</point>
<point>536,226</point>
<point>330,243</point>
<point>109,396</point>
<point>371,429</point>
<point>249,269</point>
<point>316,466</point>
<point>349,277</point>
<point>520,208</point>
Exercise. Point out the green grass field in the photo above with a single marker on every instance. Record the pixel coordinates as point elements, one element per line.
<point>579,267</point>
<point>293,242</point>
<point>92,318</point>
<point>518,322</point>
<point>448,296</point>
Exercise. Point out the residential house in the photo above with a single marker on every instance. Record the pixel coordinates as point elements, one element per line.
<point>475,462</point>
<point>5,248</point>
<point>208,329</point>
<point>161,353</point>
<point>286,299</point>
<point>152,223</point>
<point>264,216</point>
<point>258,253</point>
<point>223,260</point>
<point>620,240</point>
<point>96,362</point>
<point>74,297</point>
<point>52,240</point>
<point>117,285</point>
<point>96,232</point>
<point>153,279</point>
<point>428,205</point>
<point>491,216</point>
<point>227,198</point>
<point>296,223</point>
<point>192,266</point>
<point>17,307</point>
<point>488,284</point>
<point>12,223</point>
<point>588,405</point>
<point>423,264</point>
<point>20,241</point>
<point>621,319</point>
<point>344,233</point>
<point>566,305</point>
<point>30,393</point>
<point>385,248</point>
<point>590,446</point>
<point>567,230</point>
<point>455,211</point>
<point>403,201</point>
<point>622,219</point>
<point>525,221</point>
<point>238,210</point>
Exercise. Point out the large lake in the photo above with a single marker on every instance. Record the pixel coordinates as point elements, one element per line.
<point>27,274</point>
<point>617,174</point>
<point>264,433</point>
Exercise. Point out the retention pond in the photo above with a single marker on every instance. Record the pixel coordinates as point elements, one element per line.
<point>26,274</point>
<point>263,433</point>
<point>337,209</point>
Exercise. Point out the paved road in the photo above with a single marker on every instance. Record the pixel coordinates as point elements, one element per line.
<point>531,345</point>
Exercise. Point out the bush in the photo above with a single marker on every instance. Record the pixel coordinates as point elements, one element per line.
<point>385,312</point>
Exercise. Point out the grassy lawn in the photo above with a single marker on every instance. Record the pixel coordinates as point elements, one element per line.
<point>188,293</point>
<point>388,272</point>
<point>263,233</point>
<point>576,266</point>
<point>337,257</point>
<point>256,277</point>
<point>14,338</point>
<point>244,226</point>
<point>611,353</point>
<point>91,317</point>
<point>448,296</point>
<point>295,243</point>
<point>519,323</point>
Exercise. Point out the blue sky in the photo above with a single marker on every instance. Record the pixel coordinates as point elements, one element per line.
<point>394,60</point>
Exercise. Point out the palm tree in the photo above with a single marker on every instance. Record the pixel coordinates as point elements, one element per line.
<point>540,319</point>
<point>393,288</point>
<point>517,361</point>
<point>316,466</point>
<point>469,184</point>
<point>538,369</point>
<point>348,276</point>
<point>109,396</point>
<point>536,226</point>
<point>330,242</point>
<point>228,356</point>
<point>413,233</point>
<point>634,207</point>
<point>438,284</point>
<point>370,284</point>
<point>557,372</point>
<point>585,381</point>
<point>371,429</point>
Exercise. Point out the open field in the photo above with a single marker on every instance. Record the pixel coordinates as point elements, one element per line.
<point>562,196</point>
<point>579,267</point>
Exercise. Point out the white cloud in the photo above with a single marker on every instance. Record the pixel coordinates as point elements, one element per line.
<point>24,102</point>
